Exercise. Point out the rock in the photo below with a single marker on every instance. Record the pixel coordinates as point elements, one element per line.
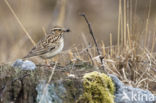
<point>128,94</point>
<point>15,87</point>
<point>25,65</point>
<point>117,82</point>
<point>78,87</point>
<point>98,88</point>
<point>46,93</point>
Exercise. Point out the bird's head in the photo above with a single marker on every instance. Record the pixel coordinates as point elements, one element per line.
<point>59,30</point>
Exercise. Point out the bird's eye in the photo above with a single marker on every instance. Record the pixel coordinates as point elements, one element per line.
<point>59,29</point>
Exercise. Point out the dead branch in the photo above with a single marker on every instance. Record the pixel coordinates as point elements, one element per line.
<point>92,34</point>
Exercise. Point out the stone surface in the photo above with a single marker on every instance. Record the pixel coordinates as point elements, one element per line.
<point>128,94</point>
<point>24,86</point>
<point>25,65</point>
<point>49,93</point>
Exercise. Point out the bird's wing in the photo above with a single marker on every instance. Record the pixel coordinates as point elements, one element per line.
<point>45,45</point>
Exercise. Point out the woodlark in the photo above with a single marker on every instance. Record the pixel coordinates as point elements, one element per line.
<point>50,45</point>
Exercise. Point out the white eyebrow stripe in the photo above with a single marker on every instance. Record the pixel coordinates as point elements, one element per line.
<point>56,28</point>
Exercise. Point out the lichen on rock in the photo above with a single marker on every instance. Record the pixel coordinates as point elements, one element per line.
<point>98,88</point>
<point>50,93</point>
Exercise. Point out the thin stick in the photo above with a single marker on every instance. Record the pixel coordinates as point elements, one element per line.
<point>129,37</point>
<point>122,26</point>
<point>50,78</point>
<point>147,23</point>
<point>88,49</point>
<point>44,31</point>
<point>61,17</point>
<point>92,34</point>
<point>131,16</point>
<point>111,49</point>
<point>119,27</point>
<point>18,20</point>
<point>125,22</point>
<point>103,48</point>
<point>153,42</point>
<point>52,73</point>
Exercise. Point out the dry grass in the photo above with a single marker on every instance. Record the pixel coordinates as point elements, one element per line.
<point>133,63</point>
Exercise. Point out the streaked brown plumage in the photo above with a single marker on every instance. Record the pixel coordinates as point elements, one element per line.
<point>50,45</point>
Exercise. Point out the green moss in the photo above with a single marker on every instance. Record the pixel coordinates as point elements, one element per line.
<point>98,88</point>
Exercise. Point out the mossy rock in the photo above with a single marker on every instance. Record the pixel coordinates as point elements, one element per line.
<point>19,86</point>
<point>98,88</point>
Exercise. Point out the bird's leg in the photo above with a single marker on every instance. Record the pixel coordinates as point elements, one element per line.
<point>47,62</point>
<point>53,61</point>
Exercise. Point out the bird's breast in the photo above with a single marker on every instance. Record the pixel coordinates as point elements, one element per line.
<point>55,51</point>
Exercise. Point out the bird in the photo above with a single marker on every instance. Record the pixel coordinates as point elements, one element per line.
<point>50,45</point>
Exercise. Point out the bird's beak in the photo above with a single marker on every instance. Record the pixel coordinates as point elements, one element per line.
<point>66,30</point>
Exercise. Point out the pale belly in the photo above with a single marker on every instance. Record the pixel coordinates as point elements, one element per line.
<point>55,51</point>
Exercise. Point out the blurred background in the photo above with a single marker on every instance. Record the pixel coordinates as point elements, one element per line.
<point>37,15</point>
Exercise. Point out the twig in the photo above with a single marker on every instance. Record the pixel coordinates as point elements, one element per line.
<point>62,13</point>
<point>44,31</point>
<point>18,20</point>
<point>88,49</point>
<point>92,34</point>
<point>50,78</point>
